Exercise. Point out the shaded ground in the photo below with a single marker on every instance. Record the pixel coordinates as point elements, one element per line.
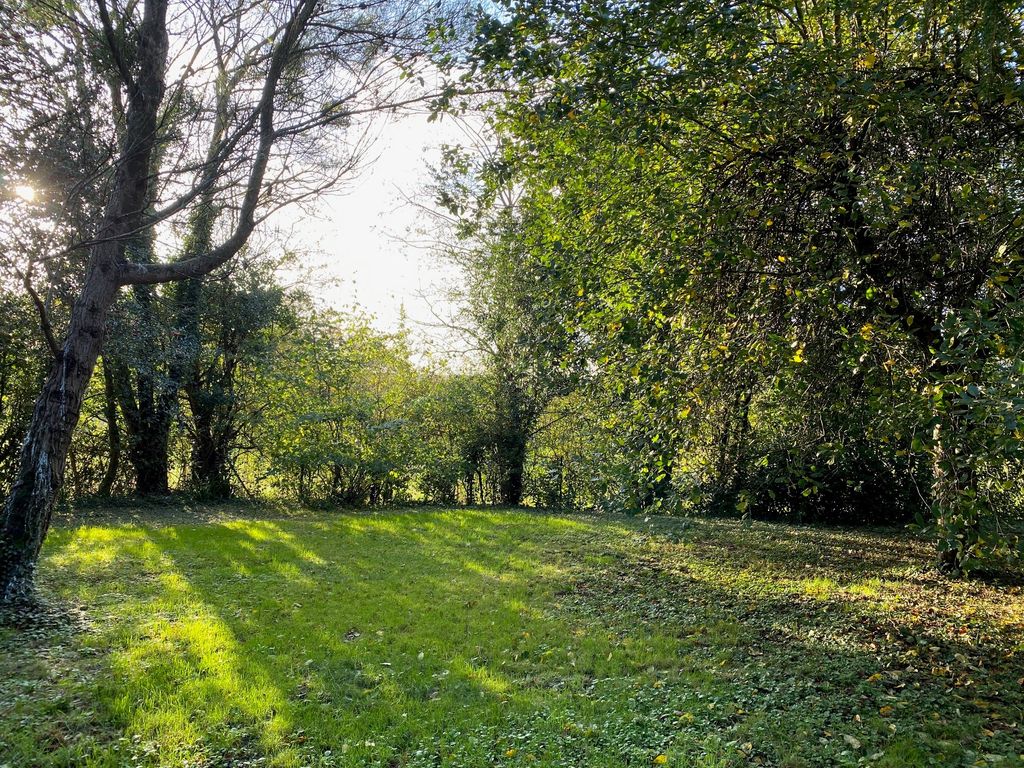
<point>471,638</point>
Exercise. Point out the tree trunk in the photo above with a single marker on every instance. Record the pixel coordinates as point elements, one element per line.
<point>147,417</point>
<point>517,415</point>
<point>957,506</point>
<point>510,485</point>
<point>29,507</point>
<point>510,454</point>
<point>210,459</point>
<point>113,432</point>
<point>149,456</point>
<point>143,383</point>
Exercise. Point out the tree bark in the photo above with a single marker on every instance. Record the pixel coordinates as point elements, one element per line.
<point>29,507</point>
<point>512,460</point>
<point>149,455</point>
<point>147,418</point>
<point>113,433</point>
<point>211,463</point>
<point>516,419</point>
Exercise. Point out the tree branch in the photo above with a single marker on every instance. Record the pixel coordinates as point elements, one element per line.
<point>44,316</point>
<point>197,266</point>
<point>115,50</point>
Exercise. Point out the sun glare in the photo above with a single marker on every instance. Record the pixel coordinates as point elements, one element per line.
<point>25,192</point>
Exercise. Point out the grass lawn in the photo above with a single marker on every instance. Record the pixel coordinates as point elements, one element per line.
<point>503,638</point>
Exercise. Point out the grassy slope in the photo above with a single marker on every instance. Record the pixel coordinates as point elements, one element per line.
<point>504,638</point>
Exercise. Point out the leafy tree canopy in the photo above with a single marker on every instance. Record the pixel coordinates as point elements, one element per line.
<point>788,235</point>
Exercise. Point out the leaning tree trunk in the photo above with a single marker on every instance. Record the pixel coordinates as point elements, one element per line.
<point>29,507</point>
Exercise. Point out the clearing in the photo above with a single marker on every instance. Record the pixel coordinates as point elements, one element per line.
<point>506,638</point>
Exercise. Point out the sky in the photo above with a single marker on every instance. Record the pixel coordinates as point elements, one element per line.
<point>358,243</point>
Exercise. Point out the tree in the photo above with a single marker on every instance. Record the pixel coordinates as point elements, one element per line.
<point>232,337</point>
<point>785,232</point>
<point>310,66</point>
<point>497,316</point>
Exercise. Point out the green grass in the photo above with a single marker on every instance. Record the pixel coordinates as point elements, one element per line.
<point>503,638</point>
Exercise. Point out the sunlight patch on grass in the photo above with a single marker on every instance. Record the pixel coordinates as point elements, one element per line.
<point>183,676</point>
<point>819,587</point>
<point>868,588</point>
<point>91,548</point>
<point>483,677</point>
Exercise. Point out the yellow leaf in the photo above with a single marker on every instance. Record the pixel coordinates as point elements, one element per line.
<point>886,711</point>
<point>875,678</point>
<point>660,760</point>
<point>510,753</point>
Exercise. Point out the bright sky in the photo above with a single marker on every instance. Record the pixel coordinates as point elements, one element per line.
<point>356,240</point>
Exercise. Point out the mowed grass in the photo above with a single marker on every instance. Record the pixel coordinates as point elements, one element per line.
<point>505,638</point>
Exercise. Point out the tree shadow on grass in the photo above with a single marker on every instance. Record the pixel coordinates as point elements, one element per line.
<point>914,670</point>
